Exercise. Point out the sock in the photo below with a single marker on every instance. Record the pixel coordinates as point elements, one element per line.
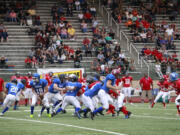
<point>5,109</point>
<point>77,109</point>
<point>152,104</point>
<point>26,101</point>
<point>47,110</point>
<point>111,108</point>
<point>178,108</point>
<point>32,109</point>
<point>124,110</point>
<point>130,101</point>
<point>85,110</point>
<point>164,104</point>
<point>98,110</point>
<point>55,104</point>
<point>15,105</point>
<point>42,109</point>
<point>59,110</point>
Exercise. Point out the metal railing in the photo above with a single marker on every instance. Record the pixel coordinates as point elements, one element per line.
<point>134,51</point>
<point>124,40</point>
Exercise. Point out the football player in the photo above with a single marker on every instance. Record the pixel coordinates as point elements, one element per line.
<point>12,88</point>
<point>127,86</point>
<point>53,92</point>
<point>163,92</point>
<point>174,78</point>
<point>91,91</point>
<point>103,93</point>
<point>72,88</point>
<point>39,89</point>
<point>28,90</point>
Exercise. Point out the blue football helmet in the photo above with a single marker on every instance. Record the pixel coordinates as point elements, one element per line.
<point>174,76</point>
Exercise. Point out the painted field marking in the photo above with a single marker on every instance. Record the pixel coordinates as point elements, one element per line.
<point>66,125</point>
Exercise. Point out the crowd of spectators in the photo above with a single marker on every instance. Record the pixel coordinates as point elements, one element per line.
<point>50,46</point>
<point>140,19</point>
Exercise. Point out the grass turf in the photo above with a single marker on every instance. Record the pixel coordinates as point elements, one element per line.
<point>144,121</point>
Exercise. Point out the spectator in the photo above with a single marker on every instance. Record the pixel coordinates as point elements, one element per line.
<point>1,91</point>
<point>64,33</point>
<point>4,35</point>
<point>158,69</point>
<point>146,84</point>
<point>88,17</point>
<point>84,26</point>
<point>80,16</point>
<point>100,56</point>
<point>3,61</point>
<point>41,61</point>
<point>77,4</point>
<point>71,33</point>
<point>13,16</point>
<point>93,11</point>
<point>34,62</point>
<point>28,62</point>
<point>95,64</point>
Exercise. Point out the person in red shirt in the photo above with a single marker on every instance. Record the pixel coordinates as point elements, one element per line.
<point>88,17</point>
<point>17,76</point>
<point>28,90</point>
<point>146,84</point>
<point>1,90</point>
<point>176,86</point>
<point>28,62</point>
<point>127,86</point>
<point>163,91</point>
<point>49,78</point>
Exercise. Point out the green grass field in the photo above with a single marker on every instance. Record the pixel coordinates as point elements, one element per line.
<point>144,121</point>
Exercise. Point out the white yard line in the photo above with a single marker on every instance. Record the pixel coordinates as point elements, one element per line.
<point>61,124</point>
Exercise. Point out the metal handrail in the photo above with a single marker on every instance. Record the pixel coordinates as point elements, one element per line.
<point>138,55</point>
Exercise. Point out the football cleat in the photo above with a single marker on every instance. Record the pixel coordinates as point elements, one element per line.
<point>39,115</point>
<point>1,114</point>
<point>49,115</point>
<point>31,116</point>
<point>101,113</point>
<point>92,115</point>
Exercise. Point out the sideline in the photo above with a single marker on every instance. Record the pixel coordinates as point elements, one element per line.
<point>66,125</point>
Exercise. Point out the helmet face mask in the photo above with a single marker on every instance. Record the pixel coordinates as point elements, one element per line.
<point>36,77</point>
<point>50,74</point>
<point>90,79</point>
<point>14,81</point>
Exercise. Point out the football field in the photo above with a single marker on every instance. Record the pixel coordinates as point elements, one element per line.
<point>143,121</point>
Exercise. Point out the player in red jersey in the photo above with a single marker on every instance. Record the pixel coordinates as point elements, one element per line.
<point>119,101</point>
<point>127,86</point>
<point>48,77</point>
<point>17,76</point>
<point>163,91</point>
<point>28,90</point>
<point>115,96</point>
<point>166,77</point>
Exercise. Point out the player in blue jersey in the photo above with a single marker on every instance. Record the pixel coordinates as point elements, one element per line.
<point>53,93</point>
<point>62,85</point>
<point>103,94</point>
<point>11,91</point>
<point>91,91</point>
<point>39,89</point>
<point>72,88</point>
<point>21,86</point>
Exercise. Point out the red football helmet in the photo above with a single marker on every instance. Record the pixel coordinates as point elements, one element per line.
<point>115,72</point>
